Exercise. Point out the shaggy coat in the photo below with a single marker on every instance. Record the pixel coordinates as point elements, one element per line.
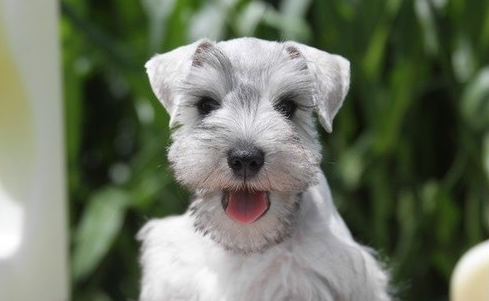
<point>253,93</point>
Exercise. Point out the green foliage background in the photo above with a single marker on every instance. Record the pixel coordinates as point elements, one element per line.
<point>408,161</point>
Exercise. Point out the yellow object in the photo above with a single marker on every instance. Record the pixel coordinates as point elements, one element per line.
<point>16,148</point>
<point>470,279</point>
<point>33,242</point>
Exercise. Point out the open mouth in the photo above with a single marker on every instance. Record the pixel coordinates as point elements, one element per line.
<point>245,206</point>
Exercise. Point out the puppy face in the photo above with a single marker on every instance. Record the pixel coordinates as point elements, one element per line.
<point>244,139</point>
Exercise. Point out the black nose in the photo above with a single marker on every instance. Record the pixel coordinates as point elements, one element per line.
<point>246,161</point>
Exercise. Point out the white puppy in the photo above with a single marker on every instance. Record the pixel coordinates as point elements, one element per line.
<point>262,224</point>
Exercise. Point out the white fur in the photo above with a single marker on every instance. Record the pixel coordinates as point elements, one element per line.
<point>320,261</point>
<point>300,249</point>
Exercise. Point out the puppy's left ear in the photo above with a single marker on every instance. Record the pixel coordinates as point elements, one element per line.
<point>332,75</point>
<point>167,71</point>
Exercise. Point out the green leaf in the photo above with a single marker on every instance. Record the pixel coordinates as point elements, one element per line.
<point>463,60</point>
<point>475,101</point>
<point>292,28</point>
<point>429,195</point>
<point>250,17</point>
<point>375,51</point>
<point>437,200</point>
<point>97,230</point>
<point>158,12</point>
<point>484,32</point>
<point>352,164</point>
<point>408,240</point>
<point>209,22</point>
<point>403,79</point>
<point>485,154</point>
<point>295,8</point>
<point>425,17</point>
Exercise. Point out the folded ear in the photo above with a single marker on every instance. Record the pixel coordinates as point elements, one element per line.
<point>332,76</point>
<point>167,71</point>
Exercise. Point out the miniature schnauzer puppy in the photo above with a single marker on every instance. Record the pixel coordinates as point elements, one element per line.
<point>262,224</point>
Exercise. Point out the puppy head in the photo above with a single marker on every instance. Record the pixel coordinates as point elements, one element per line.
<point>244,138</point>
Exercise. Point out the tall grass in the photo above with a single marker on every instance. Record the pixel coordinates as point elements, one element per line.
<point>408,161</point>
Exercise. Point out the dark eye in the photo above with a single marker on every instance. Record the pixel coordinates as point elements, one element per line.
<point>207,105</point>
<point>286,107</point>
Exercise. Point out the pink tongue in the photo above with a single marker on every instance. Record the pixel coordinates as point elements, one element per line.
<point>246,206</point>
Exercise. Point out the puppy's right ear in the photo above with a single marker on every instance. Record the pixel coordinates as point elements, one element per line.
<point>167,71</point>
<point>332,74</point>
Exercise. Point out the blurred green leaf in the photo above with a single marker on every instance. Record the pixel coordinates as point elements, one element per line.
<point>250,17</point>
<point>295,8</point>
<point>393,114</point>
<point>429,197</point>
<point>406,213</point>
<point>407,220</point>
<point>463,59</point>
<point>94,33</point>
<point>484,34</point>
<point>352,164</point>
<point>437,201</point>
<point>375,51</point>
<point>209,22</point>
<point>291,27</point>
<point>100,224</point>
<point>294,11</point>
<point>475,101</point>
<point>158,12</point>
<point>485,154</point>
<point>426,18</point>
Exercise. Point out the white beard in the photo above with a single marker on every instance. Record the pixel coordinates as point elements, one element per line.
<point>318,261</point>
